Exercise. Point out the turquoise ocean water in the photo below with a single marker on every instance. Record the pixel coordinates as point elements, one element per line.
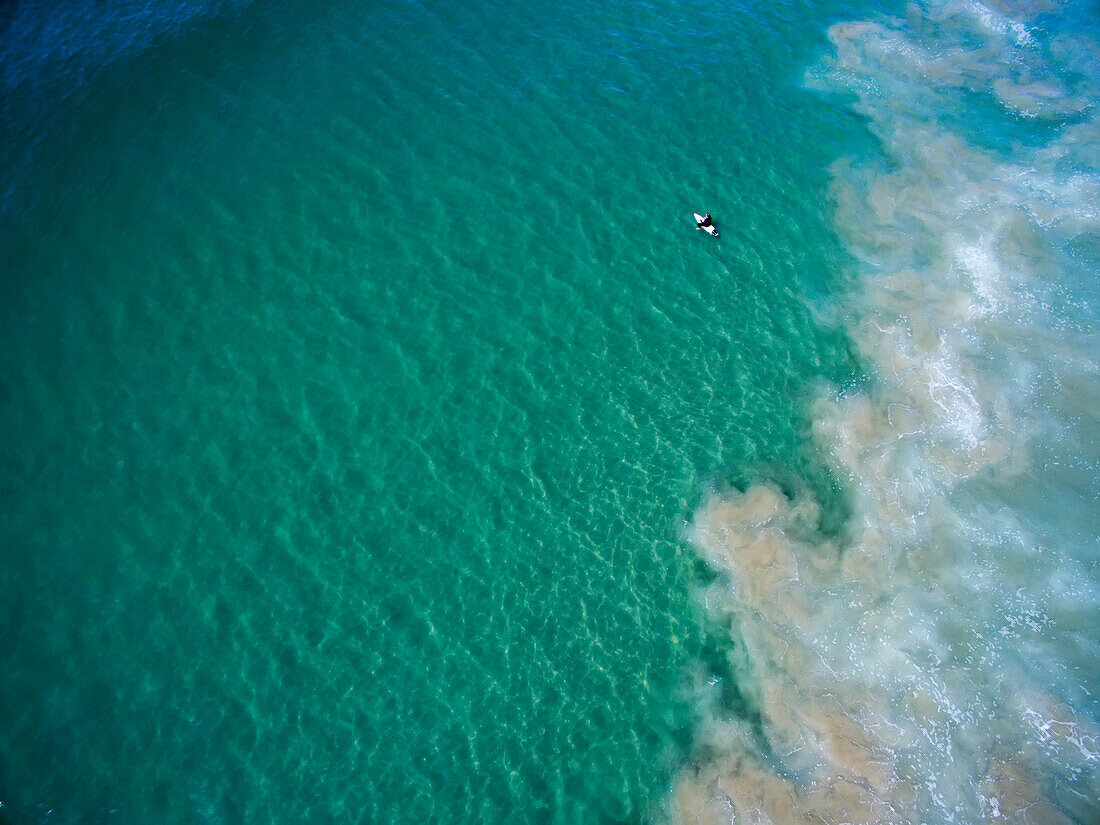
<point>382,443</point>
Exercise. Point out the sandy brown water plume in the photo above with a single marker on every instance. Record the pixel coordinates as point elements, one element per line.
<point>925,665</point>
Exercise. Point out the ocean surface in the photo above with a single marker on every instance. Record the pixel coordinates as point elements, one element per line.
<point>381,442</point>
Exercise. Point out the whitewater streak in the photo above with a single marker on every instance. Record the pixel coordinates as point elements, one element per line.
<point>937,662</point>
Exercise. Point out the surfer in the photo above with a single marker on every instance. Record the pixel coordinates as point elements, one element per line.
<point>703,224</point>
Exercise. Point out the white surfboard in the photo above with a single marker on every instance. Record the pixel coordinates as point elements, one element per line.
<point>712,229</point>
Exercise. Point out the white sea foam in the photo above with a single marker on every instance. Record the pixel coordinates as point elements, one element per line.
<point>937,662</point>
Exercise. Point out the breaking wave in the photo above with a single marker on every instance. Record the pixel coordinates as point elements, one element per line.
<point>937,661</point>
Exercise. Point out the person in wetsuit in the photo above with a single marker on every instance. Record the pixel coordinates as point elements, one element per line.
<point>705,222</point>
